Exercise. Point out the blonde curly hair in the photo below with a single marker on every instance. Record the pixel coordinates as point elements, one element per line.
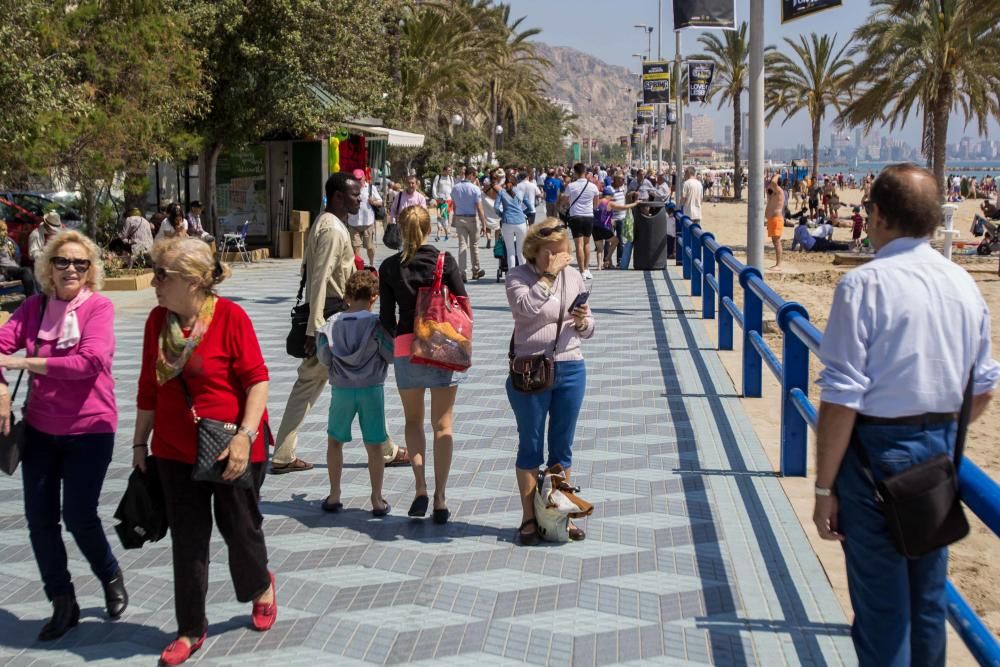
<point>94,278</point>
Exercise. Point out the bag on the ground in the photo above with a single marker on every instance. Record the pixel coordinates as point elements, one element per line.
<point>556,503</point>
<point>442,328</point>
<point>536,373</point>
<point>978,227</point>
<point>392,238</point>
<point>12,444</point>
<point>921,505</point>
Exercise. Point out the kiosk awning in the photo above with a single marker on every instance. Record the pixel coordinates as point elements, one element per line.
<point>393,137</point>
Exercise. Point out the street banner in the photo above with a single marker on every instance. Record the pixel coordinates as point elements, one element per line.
<point>643,113</point>
<point>719,14</point>
<point>795,9</point>
<point>656,81</point>
<point>700,74</point>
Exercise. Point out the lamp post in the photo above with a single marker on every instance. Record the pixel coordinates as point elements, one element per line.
<point>679,124</point>
<point>642,59</point>
<point>755,194</point>
<point>499,135</point>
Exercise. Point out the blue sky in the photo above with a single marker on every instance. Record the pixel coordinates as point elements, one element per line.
<point>605,29</point>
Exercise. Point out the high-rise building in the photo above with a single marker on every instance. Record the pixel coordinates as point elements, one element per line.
<point>702,129</point>
<point>728,135</point>
<point>688,123</point>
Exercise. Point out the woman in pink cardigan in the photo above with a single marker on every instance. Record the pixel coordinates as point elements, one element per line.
<point>71,418</point>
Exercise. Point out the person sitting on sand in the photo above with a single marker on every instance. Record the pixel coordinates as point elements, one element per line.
<point>810,243</point>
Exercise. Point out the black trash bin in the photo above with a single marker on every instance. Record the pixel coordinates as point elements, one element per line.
<point>651,245</point>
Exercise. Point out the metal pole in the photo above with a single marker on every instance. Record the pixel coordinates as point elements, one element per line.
<point>663,108</point>
<point>678,126</point>
<point>755,194</point>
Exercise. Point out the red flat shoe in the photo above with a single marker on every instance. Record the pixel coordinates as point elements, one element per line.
<point>178,652</point>
<point>263,616</point>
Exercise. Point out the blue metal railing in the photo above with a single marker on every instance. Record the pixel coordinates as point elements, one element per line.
<point>711,268</point>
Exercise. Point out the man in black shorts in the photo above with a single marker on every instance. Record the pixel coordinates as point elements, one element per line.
<point>581,197</point>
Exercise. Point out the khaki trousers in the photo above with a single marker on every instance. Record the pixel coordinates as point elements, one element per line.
<point>468,237</point>
<point>313,377</point>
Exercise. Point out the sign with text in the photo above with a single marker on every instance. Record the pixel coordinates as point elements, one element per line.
<point>643,113</point>
<point>656,82</point>
<point>705,14</point>
<point>795,9</point>
<point>700,75</point>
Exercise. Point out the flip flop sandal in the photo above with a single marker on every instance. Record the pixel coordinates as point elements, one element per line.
<point>402,459</point>
<point>386,508</point>
<point>332,508</point>
<point>296,465</point>
<point>419,507</point>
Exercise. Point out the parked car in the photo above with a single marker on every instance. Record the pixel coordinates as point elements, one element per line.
<point>39,204</point>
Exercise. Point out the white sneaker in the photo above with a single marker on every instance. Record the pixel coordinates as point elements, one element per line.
<point>587,275</point>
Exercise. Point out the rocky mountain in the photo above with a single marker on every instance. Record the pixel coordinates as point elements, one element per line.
<point>601,95</point>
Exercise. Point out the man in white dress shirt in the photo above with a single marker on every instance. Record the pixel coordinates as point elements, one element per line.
<point>904,333</point>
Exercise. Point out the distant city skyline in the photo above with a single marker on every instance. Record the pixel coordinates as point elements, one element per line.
<point>589,26</point>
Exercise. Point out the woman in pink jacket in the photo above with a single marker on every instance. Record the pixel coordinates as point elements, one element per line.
<point>71,418</point>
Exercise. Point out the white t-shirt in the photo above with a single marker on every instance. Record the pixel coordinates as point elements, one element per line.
<point>691,195</point>
<point>528,189</point>
<point>442,187</point>
<point>167,230</point>
<point>584,204</point>
<point>366,214</point>
<point>619,198</point>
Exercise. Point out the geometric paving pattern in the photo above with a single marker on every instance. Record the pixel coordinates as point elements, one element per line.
<point>693,555</point>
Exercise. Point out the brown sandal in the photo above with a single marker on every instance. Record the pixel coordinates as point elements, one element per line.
<point>402,458</point>
<point>576,534</point>
<point>295,465</point>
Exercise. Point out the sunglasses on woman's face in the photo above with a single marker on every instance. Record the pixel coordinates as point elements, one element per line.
<point>63,263</point>
<point>161,273</point>
<point>549,231</point>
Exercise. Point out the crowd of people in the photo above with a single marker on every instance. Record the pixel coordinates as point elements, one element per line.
<point>201,363</point>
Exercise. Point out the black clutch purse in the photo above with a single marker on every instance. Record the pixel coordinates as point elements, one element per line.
<point>213,438</point>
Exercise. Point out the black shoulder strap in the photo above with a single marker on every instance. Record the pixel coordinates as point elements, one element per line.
<point>302,285</point>
<point>579,195</point>
<point>964,417</point>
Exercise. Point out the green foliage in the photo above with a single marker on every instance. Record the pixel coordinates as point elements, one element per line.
<point>539,139</point>
<point>926,57</point>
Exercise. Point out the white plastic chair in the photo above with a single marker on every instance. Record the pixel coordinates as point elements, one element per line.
<point>238,241</point>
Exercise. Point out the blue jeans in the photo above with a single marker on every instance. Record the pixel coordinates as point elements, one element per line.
<point>561,404</point>
<point>73,465</point>
<point>899,604</point>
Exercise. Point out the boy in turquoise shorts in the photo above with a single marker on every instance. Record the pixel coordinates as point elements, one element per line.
<point>357,350</point>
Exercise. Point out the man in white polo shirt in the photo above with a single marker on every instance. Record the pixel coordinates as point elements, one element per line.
<point>361,225</point>
<point>581,198</point>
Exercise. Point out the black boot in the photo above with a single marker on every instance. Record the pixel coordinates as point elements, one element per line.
<point>115,595</point>
<point>65,615</point>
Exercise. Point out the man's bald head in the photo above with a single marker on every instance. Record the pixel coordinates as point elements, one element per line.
<point>908,200</point>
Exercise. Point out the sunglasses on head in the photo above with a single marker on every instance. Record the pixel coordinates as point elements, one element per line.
<point>63,263</point>
<point>161,273</point>
<point>546,232</point>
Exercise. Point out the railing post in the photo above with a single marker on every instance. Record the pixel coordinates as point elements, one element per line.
<point>678,235</point>
<point>795,375</point>
<point>753,320</point>
<point>686,248</point>
<point>725,290</point>
<point>707,269</point>
<point>696,246</point>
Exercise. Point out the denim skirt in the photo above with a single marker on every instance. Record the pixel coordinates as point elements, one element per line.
<point>419,376</point>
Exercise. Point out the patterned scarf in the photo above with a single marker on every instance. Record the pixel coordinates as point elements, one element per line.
<point>174,348</point>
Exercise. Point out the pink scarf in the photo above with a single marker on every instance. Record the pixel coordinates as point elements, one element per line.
<point>60,322</point>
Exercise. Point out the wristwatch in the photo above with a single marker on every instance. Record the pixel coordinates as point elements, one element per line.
<point>823,492</point>
<point>252,435</point>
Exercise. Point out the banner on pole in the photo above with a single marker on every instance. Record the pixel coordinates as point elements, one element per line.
<point>643,113</point>
<point>795,9</point>
<point>700,75</point>
<point>656,82</point>
<point>719,14</point>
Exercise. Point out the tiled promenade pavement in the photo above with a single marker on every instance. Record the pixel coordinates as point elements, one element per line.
<point>693,554</point>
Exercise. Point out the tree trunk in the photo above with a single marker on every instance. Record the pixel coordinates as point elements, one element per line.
<point>737,140</point>
<point>942,107</point>
<point>815,140</point>
<point>89,201</point>
<point>207,185</point>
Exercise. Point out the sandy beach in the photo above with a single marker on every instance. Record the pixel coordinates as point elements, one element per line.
<point>810,279</point>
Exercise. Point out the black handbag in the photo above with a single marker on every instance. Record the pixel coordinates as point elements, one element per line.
<point>537,372</point>
<point>12,444</point>
<point>379,210</point>
<point>295,342</point>
<point>213,438</point>
<point>392,238</point>
<point>921,505</point>
<point>142,511</point>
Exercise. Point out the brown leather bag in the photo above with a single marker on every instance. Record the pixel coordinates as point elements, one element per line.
<point>537,372</point>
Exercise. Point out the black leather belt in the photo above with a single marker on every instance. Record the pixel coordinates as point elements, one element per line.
<point>928,419</point>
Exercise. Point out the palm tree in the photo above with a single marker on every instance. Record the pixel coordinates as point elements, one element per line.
<point>731,55</point>
<point>813,83</point>
<point>933,56</point>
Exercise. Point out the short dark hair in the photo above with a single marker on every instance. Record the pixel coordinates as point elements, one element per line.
<point>579,169</point>
<point>337,183</point>
<point>196,204</point>
<point>361,286</point>
<point>907,198</point>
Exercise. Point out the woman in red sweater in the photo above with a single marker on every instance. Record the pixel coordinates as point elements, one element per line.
<point>198,339</point>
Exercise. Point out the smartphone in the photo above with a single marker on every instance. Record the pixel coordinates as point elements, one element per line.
<point>580,299</point>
